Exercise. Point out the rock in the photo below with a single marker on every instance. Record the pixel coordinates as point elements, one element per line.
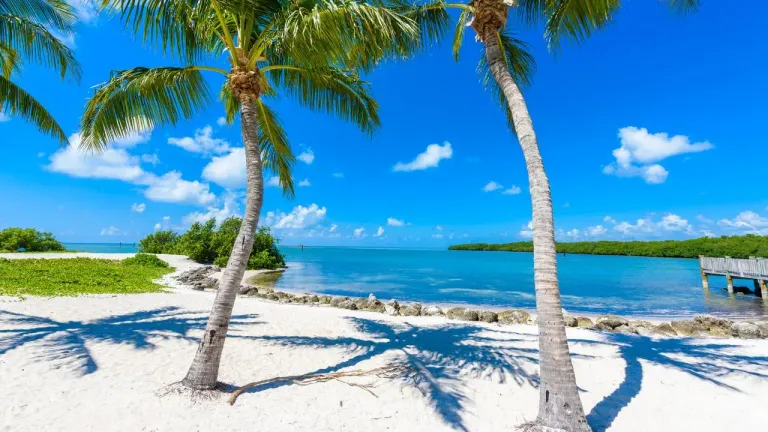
<point>489,317</point>
<point>325,299</point>
<point>361,303</point>
<point>516,316</point>
<point>372,298</point>
<point>394,304</point>
<point>411,310</point>
<point>624,329</point>
<point>266,290</point>
<point>281,295</point>
<point>643,328</point>
<point>612,321</point>
<point>645,331</point>
<point>570,321</point>
<point>746,330</point>
<point>432,311</point>
<point>584,322</point>
<point>245,289</point>
<point>455,313</point>
<point>664,329</point>
<point>198,287</point>
<point>300,299</point>
<point>348,304</point>
<point>376,306</point>
<point>336,301</point>
<point>603,327</point>
<point>763,325</point>
<point>314,299</point>
<point>471,315</point>
<point>462,314</point>
<point>715,326</point>
<point>273,296</point>
<point>390,310</point>
<point>686,328</point>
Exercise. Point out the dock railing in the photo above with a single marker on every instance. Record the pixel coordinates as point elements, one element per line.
<point>751,268</point>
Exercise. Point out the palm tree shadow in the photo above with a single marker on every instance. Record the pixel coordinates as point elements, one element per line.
<point>437,357</point>
<point>64,342</point>
<point>705,360</point>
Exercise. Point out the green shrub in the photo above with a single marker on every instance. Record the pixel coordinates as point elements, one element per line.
<point>28,240</point>
<point>146,260</point>
<point>207,243</point>
<point>159,242</point>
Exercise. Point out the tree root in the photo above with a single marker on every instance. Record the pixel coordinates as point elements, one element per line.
<point>389,372</point>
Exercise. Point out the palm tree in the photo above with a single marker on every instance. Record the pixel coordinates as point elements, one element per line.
<point>26,36</point>
<point>307,49</point>
<point>506,66</point>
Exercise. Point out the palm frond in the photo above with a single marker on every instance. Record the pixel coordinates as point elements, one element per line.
<point>230,101</point>
<point>138,99</point>
<point>331,90</point>
<point>35,43</point>
<point>458,37</point>
<point>431,18</point>
<point>55,14</point>
<point>684,6</point>
<point>520,63</point>
<point>575,20</point>
<point>10,61</point>
<point>15,101</point>
<point>275,148</point>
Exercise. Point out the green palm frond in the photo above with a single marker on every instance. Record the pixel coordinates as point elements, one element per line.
<point>231,104</point>
<point>520,63</point>
<point>461,24</point>
<point>138,99</point>
<point>33,42</point>
<point>10,61</point>
<point>15,101</point>
<point>431,18</point>
<point>331,90</point>
<point>55,14</point>
<point>684,6</point>
<point>275,149</point>
<point>575,20</point>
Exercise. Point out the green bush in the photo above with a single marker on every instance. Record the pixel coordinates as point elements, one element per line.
<point>28,240</point>
<point>146,260</point>
<point>207,243</point>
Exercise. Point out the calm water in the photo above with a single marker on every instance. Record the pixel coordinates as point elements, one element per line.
<point>652,287</point>
<point>103,247</point>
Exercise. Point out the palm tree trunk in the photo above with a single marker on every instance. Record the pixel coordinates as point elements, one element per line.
<point>559,403</point>
<point>203,373</point>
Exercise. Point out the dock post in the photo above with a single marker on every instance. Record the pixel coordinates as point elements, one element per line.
<point>763,289</point>
<point>705,281</point>
<point>729,279</point>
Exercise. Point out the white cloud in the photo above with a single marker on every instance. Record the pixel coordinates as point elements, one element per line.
<point>640,150</point>
<point>151,159</point>
<point>165,224</point>
<point>172,188</point>
<point>595,231</point>
<point>85,10</point>
<point>437,236</point>
<point>112,231</point>
<point>307,156</point>
<point>4,117</point>
<point>333,228</point>
<point>300,217</point>
<point>514,190</point>
<point>492,186</point>
<point>673,222</point>
<point>305,183</point>
<point>203,142</point>
<point>221,121</point>
<point>230,208</point>
<point>574,233</point>
<point>609,220</point>
<point>641,226</point>
<point>746,221</point>
<point>138,208</point>
<point>227,170</point>
<point>132,140</point>
<point>338,175</point>
<point>429,159</point>
<point>112,163</point>
<point>379,232</point>
<point>273,181</point>
<point>527,230</point>
<point>703,219</point>
<point>359,232</point>
<point>395,222</point>
<point>439,227</point>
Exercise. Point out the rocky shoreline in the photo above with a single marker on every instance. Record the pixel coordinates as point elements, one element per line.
<point>700,326</point>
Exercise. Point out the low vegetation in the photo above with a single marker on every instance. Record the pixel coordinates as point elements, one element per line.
<point>28,240</point>
<point>735,246</point>
<point>70,277</point>
<point>208,243</point>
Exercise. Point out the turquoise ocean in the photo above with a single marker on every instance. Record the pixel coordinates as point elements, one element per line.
<point>631,286</point>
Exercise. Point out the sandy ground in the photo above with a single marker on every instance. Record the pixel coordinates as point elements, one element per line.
<point>101,363</point>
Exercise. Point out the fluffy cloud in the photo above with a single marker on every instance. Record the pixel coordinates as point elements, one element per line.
<point>307,156</point>
<point>429,159</point>
<point>151,159</point>
<point>227,170</point>
<point>85,10</point>
<point>574,233</point>
<point>230,208</point>
<point>299,218</point>
<point>112,163</point>
<point>527,230</point>
<point>673,222</point>
<point>514,190</point>
<point>305,183</point>
<point>203,142</point>
<point>172,188</point>
<point>640,151</point>
<point>492,186</point>
<point>138,208</point>
<point>359,232</point>
<point>668,223</point>
<point>112,231</point>
<point>379,232</point>
<point>132,140</point>
<point>333,228</point>
<point>165,224</point>
<point>395,222</point>
<point>595,231</point>
<point>439,227</point>
<point>609,220</point>
<point>437,236</point>
<point>221,121</point>
<point>746,221</point>
<point>273,181</point>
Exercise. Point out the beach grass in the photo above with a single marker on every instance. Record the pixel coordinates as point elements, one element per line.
<point>75,276</point>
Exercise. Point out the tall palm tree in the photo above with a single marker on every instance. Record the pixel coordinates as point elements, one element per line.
<point>505,66</point>
<point>26,36</point>
<point>305,49</point>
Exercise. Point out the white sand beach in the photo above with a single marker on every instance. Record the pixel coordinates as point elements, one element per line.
<point>101,363</point>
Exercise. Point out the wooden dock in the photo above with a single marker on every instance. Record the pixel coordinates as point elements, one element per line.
<point>755,269</point>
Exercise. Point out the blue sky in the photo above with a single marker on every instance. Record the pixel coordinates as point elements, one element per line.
<point>651,129</point>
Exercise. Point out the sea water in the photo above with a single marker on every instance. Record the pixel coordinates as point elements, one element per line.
<point>630,286</point>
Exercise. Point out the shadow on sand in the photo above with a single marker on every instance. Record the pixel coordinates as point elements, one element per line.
<point>64,342</point>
